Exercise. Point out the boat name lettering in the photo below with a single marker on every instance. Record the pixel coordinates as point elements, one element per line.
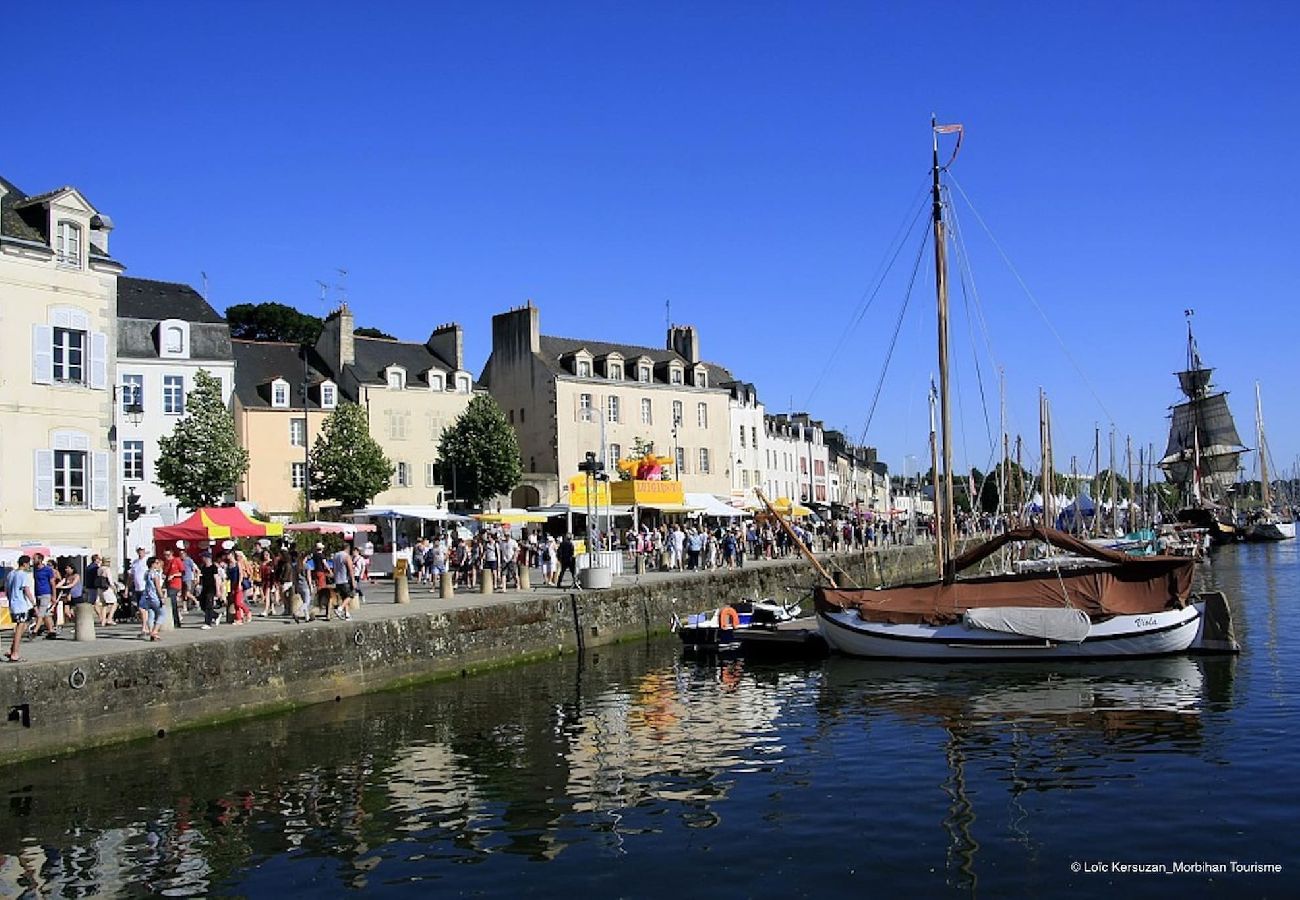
<point>1146,621</point>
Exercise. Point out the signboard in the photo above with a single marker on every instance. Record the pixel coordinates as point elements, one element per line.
<point>578,493</point>
<point>642,493</point>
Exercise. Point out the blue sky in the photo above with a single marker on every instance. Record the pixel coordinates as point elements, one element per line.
<point>749,162</point>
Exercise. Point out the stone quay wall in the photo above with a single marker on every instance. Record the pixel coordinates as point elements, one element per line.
<point>61,706</point>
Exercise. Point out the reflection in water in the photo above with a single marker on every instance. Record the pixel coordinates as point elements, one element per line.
<point>633,773</point>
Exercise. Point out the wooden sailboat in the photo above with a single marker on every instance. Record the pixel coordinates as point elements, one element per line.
<point>1114,606</point>
<point>1267,524</point>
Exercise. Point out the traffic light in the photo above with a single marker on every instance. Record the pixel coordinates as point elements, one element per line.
<point>134,508</point>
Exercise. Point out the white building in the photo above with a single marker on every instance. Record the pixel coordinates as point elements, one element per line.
<point>806,477</point>
<point>749,454</point>
<point>166,333</point>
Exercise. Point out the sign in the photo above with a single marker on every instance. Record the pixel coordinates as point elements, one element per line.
<point>641,493</point>
<point>578,493</point>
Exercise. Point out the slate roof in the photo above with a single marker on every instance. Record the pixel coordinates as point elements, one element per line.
<point>17,223</point>
<point>258,363</point>
<point>374,355</point>
<point>553,349</point>
<point>140,298</point>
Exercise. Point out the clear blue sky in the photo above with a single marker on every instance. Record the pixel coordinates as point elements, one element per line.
<point>750,162</point>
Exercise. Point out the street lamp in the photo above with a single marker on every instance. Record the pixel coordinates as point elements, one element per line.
<point>134,413</point>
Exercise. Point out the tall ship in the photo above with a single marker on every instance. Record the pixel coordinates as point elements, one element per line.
<point>1204,450</point>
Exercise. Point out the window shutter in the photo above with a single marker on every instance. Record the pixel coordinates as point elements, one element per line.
<point>98,360</point>
<point>43,359</point>
<point>99,480</point>
<point>43,480</point>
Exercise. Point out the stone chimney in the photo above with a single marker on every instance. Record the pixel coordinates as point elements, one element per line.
<point>685,340</point>
<point>336,343</point>
<point>100,226</point>
<point>448,343</point>
<point>516,334</point>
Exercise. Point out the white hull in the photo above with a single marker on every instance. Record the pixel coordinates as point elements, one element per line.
<point>1153,634</point>
<point>1271,531</point>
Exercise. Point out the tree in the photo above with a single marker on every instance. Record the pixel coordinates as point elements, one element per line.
<point>200,462</point>
<point>272,322</point>
<point>373,333</point>
<point>347,464</point>
<point>479,453</point>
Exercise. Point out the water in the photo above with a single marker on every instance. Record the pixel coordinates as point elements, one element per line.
<point>636,774</point>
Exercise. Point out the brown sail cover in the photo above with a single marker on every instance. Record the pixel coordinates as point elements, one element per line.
<point>1130,585</point>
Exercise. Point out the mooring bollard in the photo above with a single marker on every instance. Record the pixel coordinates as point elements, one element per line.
<point>640,563</point>
<point>525,582</point>
<point>401,589</point>
<point>447,586</point>
<point>485,581</point>
<point>84,614</point>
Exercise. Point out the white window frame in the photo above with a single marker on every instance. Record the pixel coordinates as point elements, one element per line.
<point>614,455</point>
<point>181,329</point>
<point>678,413</point>
<point>298,475</point>
<point>132,390</point>
<point>64,473</point>
<point>644,374</point>
<point>612,409</point>
<point>133,460</point>
<point>702,415</point>
<point>462,384</point>
<point>69,243</point>
<point>403,475</point>
<point>701,377</point>
<point>329,395</point>
<point>676,375</point>
<point>173,394</point>
<point>680,462</point>
<point>742,436</point>
<point>75,341</point>
<point>585,408</point>
<point>647,411</point>
<point>704,461</point>
<point>395,378</point>
<point>582,368</point>
<point>436,382</point>
<point>298,431</point>
<point>431,474</point>
<point>280,394</point>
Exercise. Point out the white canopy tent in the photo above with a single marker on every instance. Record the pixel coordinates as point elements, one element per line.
<point>709,505</point>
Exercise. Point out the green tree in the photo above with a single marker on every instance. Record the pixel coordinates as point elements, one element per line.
<point>347,464</point>
<point>200,462</point>
<point>479,453</point>
<point>373,333</point>
<point>272,322</point>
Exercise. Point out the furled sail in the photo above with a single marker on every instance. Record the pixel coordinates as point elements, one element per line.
<point>1203,426</point>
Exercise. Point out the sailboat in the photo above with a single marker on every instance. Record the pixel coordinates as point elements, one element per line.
<point>1204,450</point>
<point>1266,525</point>
<point>1116,606</point>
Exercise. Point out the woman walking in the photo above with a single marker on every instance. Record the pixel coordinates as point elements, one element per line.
<point>151,603</point>
<point>106,601</point>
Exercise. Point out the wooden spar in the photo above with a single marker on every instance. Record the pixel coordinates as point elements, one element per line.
<point>1266,493</point>
<point>1128,465</point>
<point>946,525</point>
<point>785,526</point>
<point>1093,526</point>
<point>939,554</point>
<point>1114,496</point>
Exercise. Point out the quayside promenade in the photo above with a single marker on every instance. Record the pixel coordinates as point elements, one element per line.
<point>68,695</point>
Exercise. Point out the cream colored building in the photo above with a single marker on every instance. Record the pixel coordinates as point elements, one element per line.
<point>568,397</point>
<point>58,298</point>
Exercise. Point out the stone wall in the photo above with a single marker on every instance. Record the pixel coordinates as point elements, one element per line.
<point>56,707</point>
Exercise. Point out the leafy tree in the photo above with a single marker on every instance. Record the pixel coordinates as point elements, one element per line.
<point>347,464</point>
<point>200,462</point>
<point>272,322</point>
<point>372,333</point>
<point>479,453</point>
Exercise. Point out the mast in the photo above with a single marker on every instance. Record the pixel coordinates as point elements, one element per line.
<point>1131,525</point>
<point>1002,425</point>
<point>1266,492</point>
<point>1093,527</point>
<point>1044,454</point>
<point>939,557</point>
<point>946,523</point>
<point>1114,496</point>
<point>1020,477</point>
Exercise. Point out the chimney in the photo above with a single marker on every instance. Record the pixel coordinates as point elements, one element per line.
<point>336,342</point>
<point>515,334</point>
<point>448,343</point>
<point>100,226</point>
<point>685,340</point>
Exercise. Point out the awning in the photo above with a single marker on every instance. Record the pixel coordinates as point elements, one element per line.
<point>515,517</point>
<point>216,522</point>
<point>344,528</point>
<point>9,555</point>
<point>428,513</point>
<point>709,505</point>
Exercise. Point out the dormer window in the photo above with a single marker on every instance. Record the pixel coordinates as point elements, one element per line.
<point>436,381</point>
<point>701,377</point>
<point>174,338</point>
<point>614,371</point>
<point>676,375</point>
<point>644,373</point>
<point>280,394</point>
<point>583,368</point>
<point>395,377</point>
<point>462,384</point>
<point>329,395</point>
<point>68,243</point>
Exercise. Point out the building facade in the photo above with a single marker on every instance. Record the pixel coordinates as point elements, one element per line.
<point>58,298</point>
<point>749,452</point>
<point>566,397</point>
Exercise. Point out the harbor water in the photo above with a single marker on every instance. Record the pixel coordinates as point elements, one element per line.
<point>631,772</point>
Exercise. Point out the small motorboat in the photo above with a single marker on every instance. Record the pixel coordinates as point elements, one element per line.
<point>718,628</point>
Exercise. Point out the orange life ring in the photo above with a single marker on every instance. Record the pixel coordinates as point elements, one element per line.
<point>728,618</point>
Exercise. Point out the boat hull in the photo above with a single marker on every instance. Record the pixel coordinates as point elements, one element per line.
<point>1152,634</point>
<point>1261,532</point>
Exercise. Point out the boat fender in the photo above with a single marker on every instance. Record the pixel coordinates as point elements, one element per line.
<point>728,617</point>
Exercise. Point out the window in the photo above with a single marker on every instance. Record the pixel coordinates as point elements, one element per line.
<point>521,415</point>
<point>704,460</point>
<point>643,374</point>
<point>614,456</point>
<point>280,393</point>
<point>69,244</point>
<point>403,475</point>
<point>744,478</point>
<point>647,411</point>
<point>399,424</point>
<point>133,460</point>
<point>512,417</point>
<point>69,479</point>
<point>173,340</point>
<point>435,382</point>
<point>462,384</point>
<point>676,375</point>
<point>803,465</point>
<point>584,407</point>
<point>584,369</point>
<point>753,435</point>
<point>702,415</point>
<point>298,432</point>
<point>681,461</point>
<point>612,404</point>
<point>298,475</point>
<point>430,474</point>
<point>329,395</point>
<point>701,378</point>
<point>677,412</point>
<point>614,371</point>
<point>132,392</point>
<point>396,379</point>
<point>173,395</point>
<point>69,356</point>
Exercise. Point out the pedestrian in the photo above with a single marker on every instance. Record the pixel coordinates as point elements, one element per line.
<point>189,575</point>
<point>358,572</point>
<point>319,567</point>
<point>238,574</point>
<point>568,559</point>
<point>43,578</point>
<point>106,604</point>
<point>21,595</point>
<point>343,582</point>
<point>151,600</point>
<point>210,579</point>
<point>139,574</point>
<point>174,580</point>
<point>90,582</point>
<point>550,564</point>
<point>68,591</point>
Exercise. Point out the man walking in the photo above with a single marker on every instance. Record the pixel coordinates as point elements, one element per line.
<point>344,581</point>
<point>43,588</point>
<point>22,598</point>
<point>209,589</point>
<point>174,580</point>
<point>568,562</point>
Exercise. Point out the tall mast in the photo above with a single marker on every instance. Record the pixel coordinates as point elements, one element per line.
<point>939,557</point>
<point>1093,527</point>
<point>1266,492</point>
<point>1114,494</point>
<point>1131,525</point>
<point>1002,425</point>
<point>946,523</point>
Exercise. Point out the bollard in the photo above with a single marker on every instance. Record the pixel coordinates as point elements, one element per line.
<point>84,613</point>
<point>447,586</point>
<point>525,581</point>
<point>640,563</point>
<point>485,581</point>
<point>401,589</point>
